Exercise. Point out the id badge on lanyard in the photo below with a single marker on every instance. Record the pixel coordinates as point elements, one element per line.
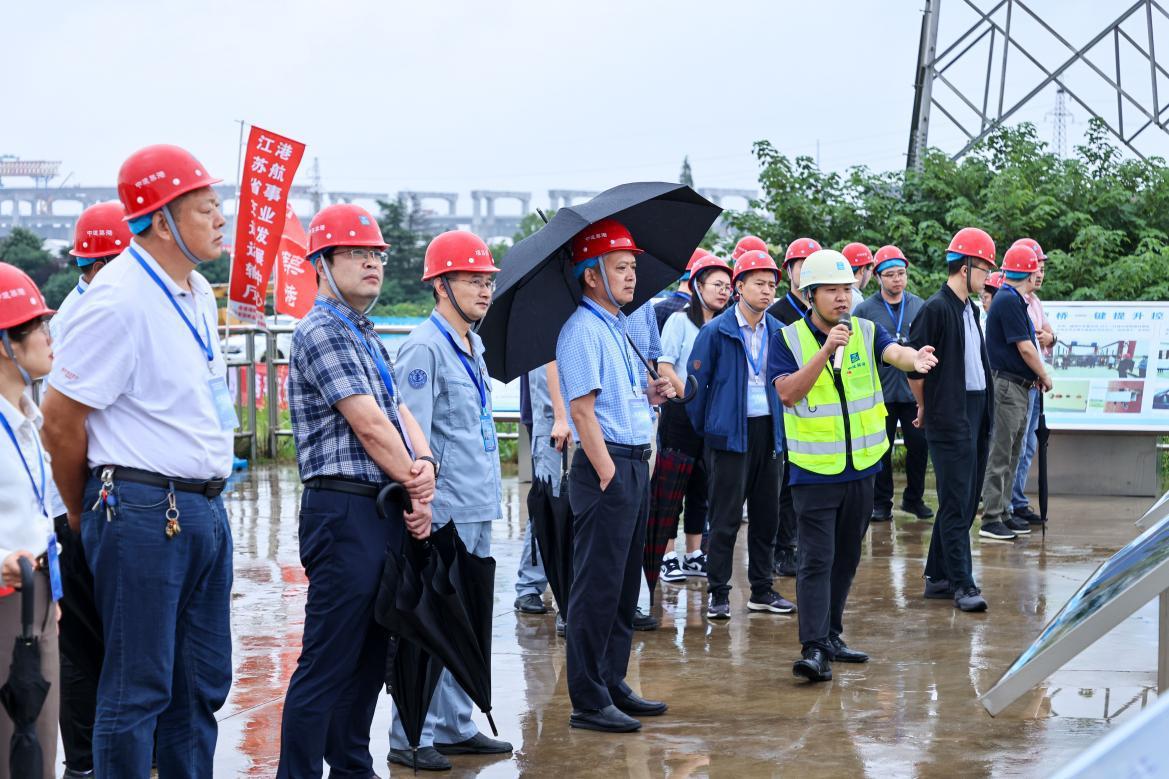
<point>639,415</point>
<point>54,568</point>
<point>487,431</point>
<point>224,407</point>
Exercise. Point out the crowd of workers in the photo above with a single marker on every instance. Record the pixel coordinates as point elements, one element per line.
<point>112,486</point>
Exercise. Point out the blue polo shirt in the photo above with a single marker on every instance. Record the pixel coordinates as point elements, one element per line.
<point>1007,324</point>
<point>781,362</point>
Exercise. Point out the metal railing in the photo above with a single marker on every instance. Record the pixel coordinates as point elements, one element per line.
<point>272,357</point>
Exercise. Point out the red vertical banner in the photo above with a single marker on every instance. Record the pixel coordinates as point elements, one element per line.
<point>295,285</point>
<point>270,162</point>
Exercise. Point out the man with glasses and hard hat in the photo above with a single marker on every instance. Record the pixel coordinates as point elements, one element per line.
<point>141,432</point>
<point>609,400</point>
<point>353,437</point>
<point>445,382</point>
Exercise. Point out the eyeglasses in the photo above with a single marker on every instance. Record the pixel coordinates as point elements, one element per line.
<point>893,274</point>
<point>480,284</point>
<point>362,255</point>
<point>717,286</point>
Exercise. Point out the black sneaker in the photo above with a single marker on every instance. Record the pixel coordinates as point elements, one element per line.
<point>719,607</point>
<point>530,604</point>
<point>939,589</point>
<point>672,571</point>
<point>1017,525</point>
<point>969,599</point>
<point>884,514</point>
<point>561,625</point>
<point>771,601</point>
<point>785,562</point>
<point>1027,515</point>
<point>643,621</point>
<point>918,509</point>
<point>996,531</point>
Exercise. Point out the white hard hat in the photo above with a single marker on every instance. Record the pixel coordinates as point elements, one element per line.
<point>825,267</point>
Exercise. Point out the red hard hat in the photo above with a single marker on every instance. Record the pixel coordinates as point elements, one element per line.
<point>600,238</point>
<point>1021,259</point>
<point>973,242</point>
<point>754,260</point>
<point>1033,245</point>
<point>152,177</point>
<point>343,224</point>
<point>20,300</point>
<point>748,243</point>
<point>889,252</point>
<point>858,255</point>
<point>457,250</point>
<point>799,249</point>
<point>995,280</point>
<point>698,254</point>
<point>101,231</point>
<point>706,263</point>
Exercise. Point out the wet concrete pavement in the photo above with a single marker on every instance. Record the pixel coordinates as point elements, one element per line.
<point>735,709</point>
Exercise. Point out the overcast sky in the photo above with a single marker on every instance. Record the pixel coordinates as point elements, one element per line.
<point>508,94</point>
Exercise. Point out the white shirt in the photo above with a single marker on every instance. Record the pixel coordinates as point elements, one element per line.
<point>58,320</point>
<point>147,378</point>
<point>23,524</point>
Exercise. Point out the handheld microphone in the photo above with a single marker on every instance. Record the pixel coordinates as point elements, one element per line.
<point>846,320</point>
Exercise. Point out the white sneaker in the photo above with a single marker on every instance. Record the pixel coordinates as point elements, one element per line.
<point>671,571</point>
<point>695,566</point>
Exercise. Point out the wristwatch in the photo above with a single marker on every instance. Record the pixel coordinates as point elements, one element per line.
<point>432,461</point>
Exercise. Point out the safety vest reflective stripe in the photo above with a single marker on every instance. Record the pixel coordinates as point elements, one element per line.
<point>815,426</point>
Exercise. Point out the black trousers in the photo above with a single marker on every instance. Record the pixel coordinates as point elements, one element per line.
<point>959,467</point>
<point>833,521</point>
<point>676,432</point>
<point>916,457</point>
<point>787,530</point>
<point>609,535</point>
<point>82,649</point>
<point>752,476</point>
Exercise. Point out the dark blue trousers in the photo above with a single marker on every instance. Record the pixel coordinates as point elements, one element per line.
<point>609,534</point>
<point>164,606</point>
<point>331,697</point>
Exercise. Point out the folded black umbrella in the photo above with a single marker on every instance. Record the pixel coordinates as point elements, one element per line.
<point>552,530</point>
<point>1042,436</point>
<point>672,470</point>
<point>24,693</point>
<point>536,291</point>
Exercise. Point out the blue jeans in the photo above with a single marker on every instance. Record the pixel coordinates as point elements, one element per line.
<point>1030,441</point>
<point>164,606</point>
<point>448,721</point>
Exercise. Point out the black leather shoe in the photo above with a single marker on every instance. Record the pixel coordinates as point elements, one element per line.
<point>607,720</point>
<point>785,562</point>
<point>477,744</point>
<point>530,604</point>
<point>842,654</point>
<point>643,621</point>
<point>634,704</point>
<point>882,515</point>
<point>428,759</point>
<point>918,509</point>
<point>813,666</point>
<point>561,625</point>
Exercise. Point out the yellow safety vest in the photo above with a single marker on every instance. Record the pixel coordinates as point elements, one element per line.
<point>815,426</point>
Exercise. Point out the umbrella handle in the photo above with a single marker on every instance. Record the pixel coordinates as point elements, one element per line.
<point>396,493</point>
<point>28,599</point>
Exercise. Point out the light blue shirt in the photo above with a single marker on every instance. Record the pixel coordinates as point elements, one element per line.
<point>678,338</point>
<point>542,414</point>
<point>643,329</point>
<point>755,340</point>
<point>975,376</point>
<point>437,390</point>
<point>592,356</point>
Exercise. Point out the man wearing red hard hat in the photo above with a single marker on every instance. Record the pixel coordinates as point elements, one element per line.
<point>101,234</point>
<point>609,398</point>
<point>860,257</point>
<point>353,437</point>
<point>446,384</point>
<point>141,432</point>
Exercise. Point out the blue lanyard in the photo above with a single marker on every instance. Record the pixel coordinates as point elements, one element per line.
<point>613,332</point>
<point>900,313</point>
<point>476,379</point>
<point>80,290</point>
<point>374,353</point>
<point>40,459</point>
<point>795,305</point>
<point>682,295</point>
<point>203,341</point>
<point>756,360</point>
<point>1026,311</point>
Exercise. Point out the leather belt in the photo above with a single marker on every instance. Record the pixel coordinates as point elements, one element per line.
<point>1013,379</point>
<point>210,488</point>
<point>363,488</point>
<point>640,452</point>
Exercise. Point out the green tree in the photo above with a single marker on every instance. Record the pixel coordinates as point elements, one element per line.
<point>406,234</point>
<point>57,286</point>
<point>23,248</point>
<point>686,176</point>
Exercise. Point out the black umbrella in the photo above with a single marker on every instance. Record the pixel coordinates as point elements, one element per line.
<point>536,291</point>
<point>672,471</point>
<point>551,518</point>
<point>24,693</point>
<point>1042,435</point>
<point>412,673</point>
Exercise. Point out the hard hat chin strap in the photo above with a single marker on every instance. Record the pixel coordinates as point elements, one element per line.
<point>174,230</point>
<point>450,295</point>
<point>605,281</point>
<point>12,356</point>
<point>322,265</point>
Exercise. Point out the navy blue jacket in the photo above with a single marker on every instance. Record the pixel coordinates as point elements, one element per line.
<point>718,363</point>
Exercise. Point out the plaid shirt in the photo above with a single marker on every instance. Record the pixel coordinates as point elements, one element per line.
<point>329,364</point>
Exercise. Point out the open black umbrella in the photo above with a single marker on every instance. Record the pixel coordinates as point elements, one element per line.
<point>1042,435</point>
<point>24,693</point>
<point>671,474</point>
<point>412,673</point>
<point>536,292</point>
<point>551,518</point>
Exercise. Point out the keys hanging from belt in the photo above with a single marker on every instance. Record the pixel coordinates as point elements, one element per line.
<point>106,496</point>
<point>172,515</point>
